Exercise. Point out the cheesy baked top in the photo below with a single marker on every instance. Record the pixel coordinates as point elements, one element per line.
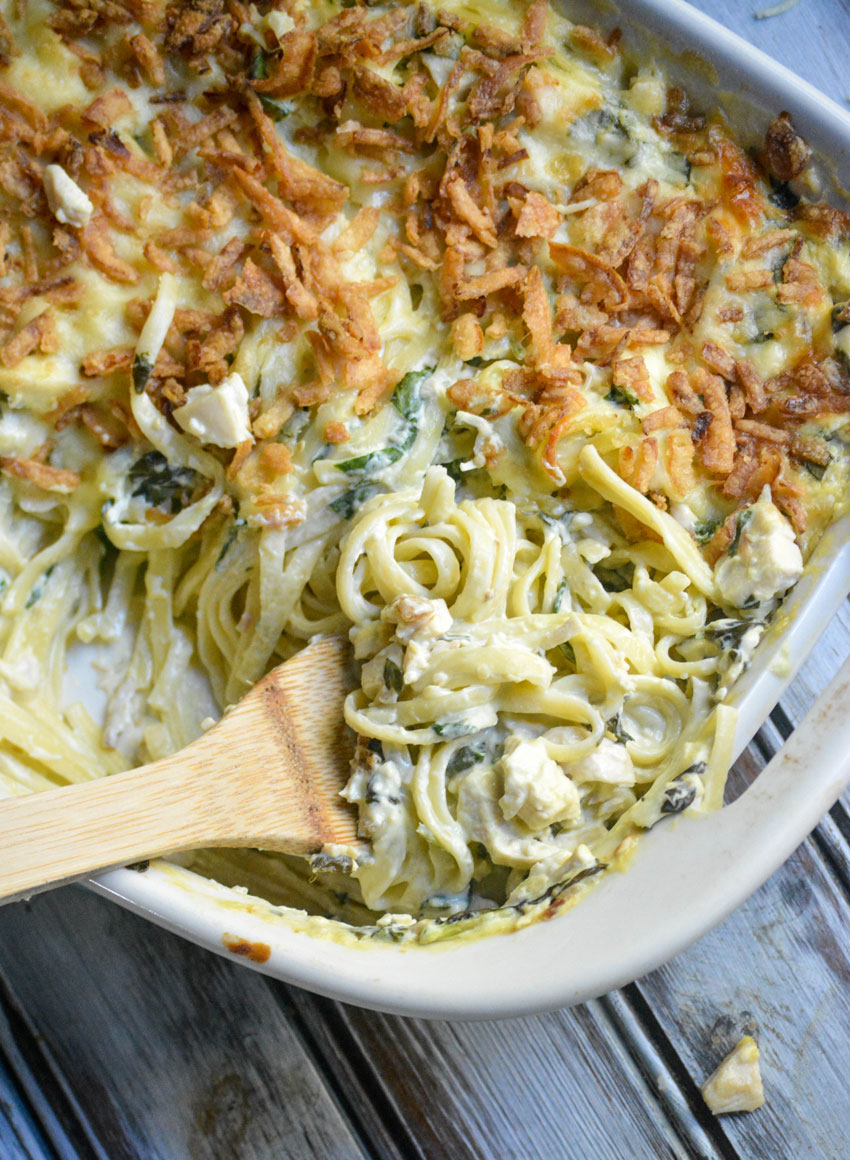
<point>451,328</point>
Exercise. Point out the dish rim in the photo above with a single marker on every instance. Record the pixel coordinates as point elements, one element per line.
<point>476,978</point>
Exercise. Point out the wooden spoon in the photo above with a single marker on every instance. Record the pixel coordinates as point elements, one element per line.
<point>267,776</point>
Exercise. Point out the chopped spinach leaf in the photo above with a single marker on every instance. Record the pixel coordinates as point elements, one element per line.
<point>559,596</point>
<point>38,587</point>
<point>374,460</point>
<point>818,470</point>
<point>568,651</point>
<point>376,791</point>
<point>615,727</point>
<point>452,729</point>
<point>781,195</point>
<point>231,537</point>
<point>728,632</point>
<point>407,401</point>
<point>705,529</point>
<point>454,470</point>
<point>258,70</point>
<point>160,485</point>
<point>763,336</point>
<point>393,676</point>
<point>464,758</point>
<point>679,794</point>
<point>407,398</point>
<point>621,398</point>
<point>142,371</point>
<point>277,110</point>
<point>743,519</point>
<point>346,505</point>
<point>615,579</point>
<point>327,863</point>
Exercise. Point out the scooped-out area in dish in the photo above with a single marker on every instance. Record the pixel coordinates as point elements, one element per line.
<point>454,329</point>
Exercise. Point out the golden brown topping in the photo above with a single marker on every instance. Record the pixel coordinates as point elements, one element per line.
<point>480,285</point>
<point>105,362</point>
<point>631,373</point>
<point>335,432</point>
<point>467,337</point>
<point>743,280</point>
<point>717,360</point>
<point>662,418</point>
<point>537,217</point>
<point>108,108</point>
<point>293,68</point>
<point>38,334</point>
<point>41,474</point>
<point>712,431</point>
<point>98,249</point>
<point>214,192</point>
<point>8,49</point>
<point>756,246</point>
<point>786,154</point>
<point>255,290</point>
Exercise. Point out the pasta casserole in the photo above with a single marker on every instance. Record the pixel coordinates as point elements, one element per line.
<point>455,329</point>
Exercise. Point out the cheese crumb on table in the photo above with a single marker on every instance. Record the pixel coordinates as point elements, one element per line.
<point>735,1086</point>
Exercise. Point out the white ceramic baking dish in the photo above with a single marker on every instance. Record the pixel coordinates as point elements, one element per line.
<point>687,875</point>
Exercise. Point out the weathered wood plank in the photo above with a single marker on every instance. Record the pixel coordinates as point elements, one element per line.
<point>779,966</point>
<point>20,1138</point>
<point>552,1087</point>
<point>171,1051</point>
<point>57,1120</point>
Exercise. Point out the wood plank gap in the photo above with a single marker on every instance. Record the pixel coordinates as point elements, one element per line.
<point>659,1061</point>
<point>48,1098</point>
<point>21,1137</point>
<point>782,722</point>
<point>664,1088</point>
<point>764,743</point>
<point>347,1071</point>
<point>831,844</point>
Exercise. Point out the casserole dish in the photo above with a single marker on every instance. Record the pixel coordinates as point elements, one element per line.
<point>445,981</point>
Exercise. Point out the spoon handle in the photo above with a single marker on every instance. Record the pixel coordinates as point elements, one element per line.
<point>66,833</point>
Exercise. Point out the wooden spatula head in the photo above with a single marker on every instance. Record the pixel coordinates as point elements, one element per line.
<point>267,776</point>
<point>294,751</point>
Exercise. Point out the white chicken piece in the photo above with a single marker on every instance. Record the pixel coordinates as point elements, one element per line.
<point>766,561</point>
<point>217,415</point>
<point>609,763</point>
<point>536,789</point>
<point>420,623</point>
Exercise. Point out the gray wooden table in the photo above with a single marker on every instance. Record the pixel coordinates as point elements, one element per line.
<point>121,1042</point>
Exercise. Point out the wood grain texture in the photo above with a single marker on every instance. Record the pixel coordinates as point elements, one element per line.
<point>20,1136</point>
<point>167,1051</point>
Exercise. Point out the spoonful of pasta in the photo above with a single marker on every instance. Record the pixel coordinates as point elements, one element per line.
<point>267,776</point>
